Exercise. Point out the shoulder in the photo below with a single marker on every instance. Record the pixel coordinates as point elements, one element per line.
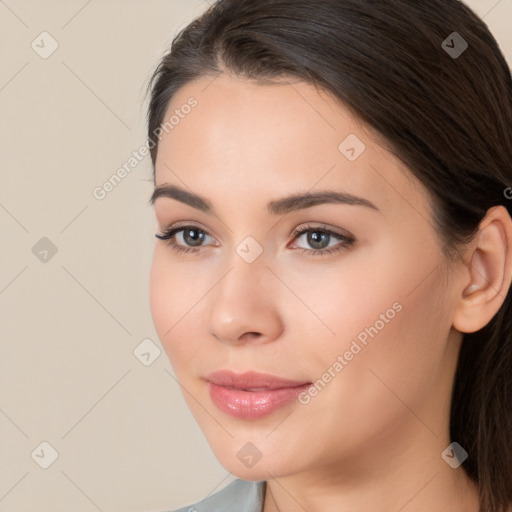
<point>238,496</point>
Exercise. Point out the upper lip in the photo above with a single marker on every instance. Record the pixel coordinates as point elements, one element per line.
<point>251,380</point>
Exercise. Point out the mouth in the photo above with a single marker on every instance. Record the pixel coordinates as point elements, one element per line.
<point>252,395</point>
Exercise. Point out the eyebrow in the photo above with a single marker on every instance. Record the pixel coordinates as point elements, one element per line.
<point>277,207</point>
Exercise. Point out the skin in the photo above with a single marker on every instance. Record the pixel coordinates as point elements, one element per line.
<point>372,438</point>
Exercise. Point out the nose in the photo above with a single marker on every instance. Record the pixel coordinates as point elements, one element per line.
<point>244,306</point>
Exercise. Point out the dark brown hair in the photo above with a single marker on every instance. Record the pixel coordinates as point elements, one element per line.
<point>447,117</point>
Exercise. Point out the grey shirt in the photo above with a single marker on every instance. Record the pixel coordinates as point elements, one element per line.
<point>238,496</point>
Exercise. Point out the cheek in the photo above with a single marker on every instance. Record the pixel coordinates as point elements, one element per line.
<point>370,397</point>
<point>389,316</point>
<point>389,285</point>
<point>166,301</point>
<point>174,297</point>
<point>160,301</point>
<point>399,354</point>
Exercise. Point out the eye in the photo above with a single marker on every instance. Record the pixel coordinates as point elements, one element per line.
<point>319,238</point>
<point>189,237</point>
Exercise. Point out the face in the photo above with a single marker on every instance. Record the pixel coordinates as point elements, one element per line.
<point>348,300</point>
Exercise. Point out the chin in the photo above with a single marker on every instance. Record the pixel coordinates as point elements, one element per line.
<point>252,461</point>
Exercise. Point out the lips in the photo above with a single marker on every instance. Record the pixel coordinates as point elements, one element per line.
<point>251,395</point>
<point>251,381</point>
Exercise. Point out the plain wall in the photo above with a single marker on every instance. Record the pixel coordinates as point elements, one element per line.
<point>70,321</point>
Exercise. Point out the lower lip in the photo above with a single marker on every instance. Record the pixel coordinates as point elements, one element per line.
<point>250,405</point>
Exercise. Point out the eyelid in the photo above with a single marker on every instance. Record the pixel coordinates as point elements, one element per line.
<point>296,231</point>
<point>185,224</point>
<point>311,226</point>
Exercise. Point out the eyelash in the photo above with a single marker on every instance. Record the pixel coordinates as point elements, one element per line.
<point>169,237</point>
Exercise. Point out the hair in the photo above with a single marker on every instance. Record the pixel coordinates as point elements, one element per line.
<point>448,118</point>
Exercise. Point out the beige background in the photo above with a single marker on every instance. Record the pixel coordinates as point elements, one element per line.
<point>69,325</point>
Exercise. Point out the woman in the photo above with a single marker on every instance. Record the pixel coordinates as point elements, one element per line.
<point>331,279</point>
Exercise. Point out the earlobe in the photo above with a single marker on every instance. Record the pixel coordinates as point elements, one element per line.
<point>490,272</point>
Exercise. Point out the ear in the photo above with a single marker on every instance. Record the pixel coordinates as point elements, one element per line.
<point>489,265</point>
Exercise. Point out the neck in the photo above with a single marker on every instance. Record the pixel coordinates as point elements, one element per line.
<point>424,493</point>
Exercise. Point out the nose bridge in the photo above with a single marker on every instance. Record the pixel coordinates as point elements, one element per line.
<point>243,302</point>
<point>248,269</point>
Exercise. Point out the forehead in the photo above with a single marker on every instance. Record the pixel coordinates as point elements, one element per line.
<point>246,119</point>
<point>243,137</point>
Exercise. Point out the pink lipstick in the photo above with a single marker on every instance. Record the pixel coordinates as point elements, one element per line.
<point>252,395</point>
